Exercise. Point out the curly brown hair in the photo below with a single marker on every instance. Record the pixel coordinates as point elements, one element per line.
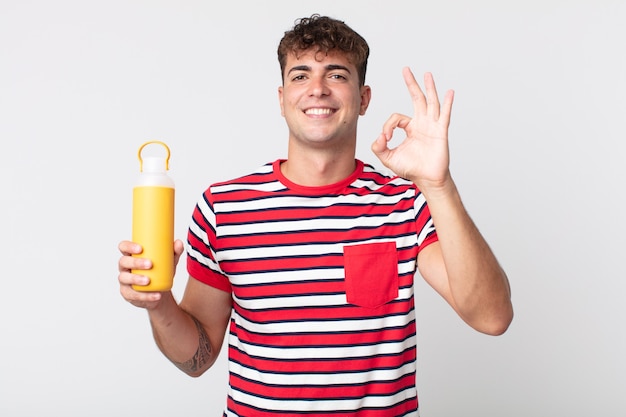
<point>326,34</point>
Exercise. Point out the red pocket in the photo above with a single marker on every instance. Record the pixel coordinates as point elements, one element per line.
<point>371,273</point>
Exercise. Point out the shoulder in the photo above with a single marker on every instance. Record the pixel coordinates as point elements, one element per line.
<point>259,179</point>
<point>261,174</point>
<point>376,179</point>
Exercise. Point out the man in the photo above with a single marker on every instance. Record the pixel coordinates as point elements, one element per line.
<point>309,261</point>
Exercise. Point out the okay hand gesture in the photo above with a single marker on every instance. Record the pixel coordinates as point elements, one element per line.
<point>423,156</point>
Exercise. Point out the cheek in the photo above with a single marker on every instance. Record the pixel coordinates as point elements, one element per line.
<point>289,106</point>
<point>286,110</point>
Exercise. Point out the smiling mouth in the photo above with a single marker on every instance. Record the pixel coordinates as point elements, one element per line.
<point>319,111</point>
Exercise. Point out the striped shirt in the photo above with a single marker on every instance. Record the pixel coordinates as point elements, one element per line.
<point>323,320</point>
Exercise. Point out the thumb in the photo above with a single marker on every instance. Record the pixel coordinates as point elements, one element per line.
<point>380,148</point>
<point>179,248</point>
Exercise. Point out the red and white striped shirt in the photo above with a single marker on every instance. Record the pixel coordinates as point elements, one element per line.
<point>323,320</point>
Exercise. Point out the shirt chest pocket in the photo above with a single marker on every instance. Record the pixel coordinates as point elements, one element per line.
<point>371,273</point>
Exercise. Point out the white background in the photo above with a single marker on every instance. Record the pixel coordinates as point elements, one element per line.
<point>537,144</point>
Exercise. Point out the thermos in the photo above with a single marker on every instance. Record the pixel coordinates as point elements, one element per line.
<point>153,219</point>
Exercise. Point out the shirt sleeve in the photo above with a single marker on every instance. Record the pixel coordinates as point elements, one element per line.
<point>202,262</point>
<point>426,232</point>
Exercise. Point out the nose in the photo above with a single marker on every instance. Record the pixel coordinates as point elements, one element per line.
<point>318,87</point>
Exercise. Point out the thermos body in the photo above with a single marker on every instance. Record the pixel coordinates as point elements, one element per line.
<point>153,220</point>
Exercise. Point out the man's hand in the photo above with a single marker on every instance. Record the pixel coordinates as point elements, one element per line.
<point>423,157</point>
<point>147,300</point>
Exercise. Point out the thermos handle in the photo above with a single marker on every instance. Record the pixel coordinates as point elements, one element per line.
<point>158,142</point>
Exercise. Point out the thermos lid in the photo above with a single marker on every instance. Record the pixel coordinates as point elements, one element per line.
<point>154,163</point>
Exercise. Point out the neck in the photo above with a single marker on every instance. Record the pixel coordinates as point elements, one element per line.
<point>316,169</point>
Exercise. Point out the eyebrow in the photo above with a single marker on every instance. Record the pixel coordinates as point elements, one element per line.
<point>329,67</point>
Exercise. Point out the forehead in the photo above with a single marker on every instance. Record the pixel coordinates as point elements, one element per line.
<point>314,57</point>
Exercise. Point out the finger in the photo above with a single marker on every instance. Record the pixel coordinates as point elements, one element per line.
<point>394,121</point>
<point>382,151</point>
<point>139,298</point>
<point>129,248</point>
<point>379,147</point>
<point>432,98</point>
<point>126,278</point>
<point>446,108</point>
<point>179,248</point>
<point>417,96</point>
<point>128,262</point>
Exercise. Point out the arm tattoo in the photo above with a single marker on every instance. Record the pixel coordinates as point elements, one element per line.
<point>202,355</point>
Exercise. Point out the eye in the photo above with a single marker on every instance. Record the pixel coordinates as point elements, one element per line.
<point>298,77</point>
<point>338,76</point>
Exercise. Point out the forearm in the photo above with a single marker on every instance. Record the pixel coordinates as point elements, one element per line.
<point>478,286</point>
<point>181,337</point>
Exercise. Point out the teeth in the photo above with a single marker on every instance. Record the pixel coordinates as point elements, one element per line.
<point>317,111</point>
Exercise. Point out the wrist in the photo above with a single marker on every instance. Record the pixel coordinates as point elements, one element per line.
<point>436,189</point>
<point>162,309</point>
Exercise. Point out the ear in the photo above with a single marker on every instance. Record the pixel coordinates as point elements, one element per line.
<point>280,100</point>
<point>366,96</point>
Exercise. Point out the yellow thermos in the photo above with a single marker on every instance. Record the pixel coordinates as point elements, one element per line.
<point>153,219</point>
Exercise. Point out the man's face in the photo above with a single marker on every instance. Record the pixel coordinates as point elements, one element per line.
<point>321,99</point>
